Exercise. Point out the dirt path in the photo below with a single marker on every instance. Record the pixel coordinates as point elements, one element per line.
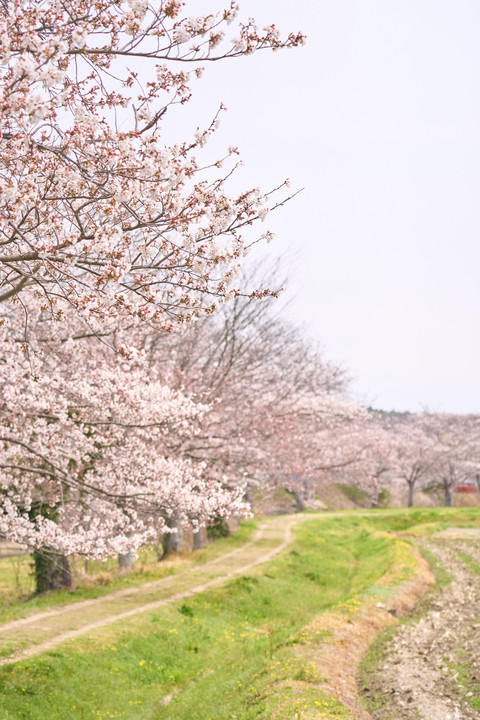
<point>43,631</point>
<point>432,664</point>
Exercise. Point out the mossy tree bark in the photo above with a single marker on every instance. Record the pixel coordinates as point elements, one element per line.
<point>52,570</point>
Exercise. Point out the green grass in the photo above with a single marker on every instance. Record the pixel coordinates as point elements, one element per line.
<point>466,678</point>
<point>233,652</point>
<point>17,597</point>
<point>97,578</point>
<point>220,655</point>
<point>353,493</point>
<point>468,561</point>
<point>421,522</point>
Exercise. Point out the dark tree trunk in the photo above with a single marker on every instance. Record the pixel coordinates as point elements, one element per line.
<point>410,494</point>
<point>52,571</point>
<point>448,496</point>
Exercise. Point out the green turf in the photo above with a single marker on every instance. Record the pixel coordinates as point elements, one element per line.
<point>228,653</point>
<point>215,656</point>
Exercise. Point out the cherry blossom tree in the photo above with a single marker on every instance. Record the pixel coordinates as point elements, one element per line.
<point>414,448</point>
<point>104,226</point>
<point>368,451</point>
<point>99,454</point>
<point>456,447</point>
<point>96,212</point>
<point>413,452</point>
<point>272,394</point>
<point>85,462</point>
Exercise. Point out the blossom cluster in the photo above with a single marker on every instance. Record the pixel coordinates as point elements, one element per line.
<point>86,440</point>
<point>96,212</point>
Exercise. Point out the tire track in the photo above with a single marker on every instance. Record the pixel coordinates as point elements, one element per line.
<point>285,540</point>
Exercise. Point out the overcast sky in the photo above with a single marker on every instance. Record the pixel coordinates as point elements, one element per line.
<point>378,118</point>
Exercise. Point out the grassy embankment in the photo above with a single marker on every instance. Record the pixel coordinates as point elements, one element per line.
<point>232,653</point>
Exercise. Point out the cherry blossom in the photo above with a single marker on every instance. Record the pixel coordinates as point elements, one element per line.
<point>85,438</point>
<point>275,401</point>
<point>96,212</point>
<point>105,227</point>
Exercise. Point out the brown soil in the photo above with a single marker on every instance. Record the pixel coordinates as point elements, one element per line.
<point>431,667</point>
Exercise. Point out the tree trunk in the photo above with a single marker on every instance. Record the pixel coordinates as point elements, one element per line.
<point>375,493</point>
<point>299,501</point>
<point>248,497</point>
<point>126,560</point>
<point>173,541</point>
<point>200,538</point>
<point>52,571</point>
<point>448,496</point>
<point>410,494</point>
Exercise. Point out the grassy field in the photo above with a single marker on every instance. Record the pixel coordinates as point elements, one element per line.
<point>233,653</point>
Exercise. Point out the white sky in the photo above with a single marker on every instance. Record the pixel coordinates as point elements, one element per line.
<point>378,117</point>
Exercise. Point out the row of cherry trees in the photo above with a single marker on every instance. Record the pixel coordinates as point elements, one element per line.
<point>101,453</point>
<point>143,382</point>
<point>279,412</point>
<point>110,239</point>
<point>409,452</point>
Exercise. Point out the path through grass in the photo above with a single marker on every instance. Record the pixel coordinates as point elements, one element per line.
<point>233,652</point>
